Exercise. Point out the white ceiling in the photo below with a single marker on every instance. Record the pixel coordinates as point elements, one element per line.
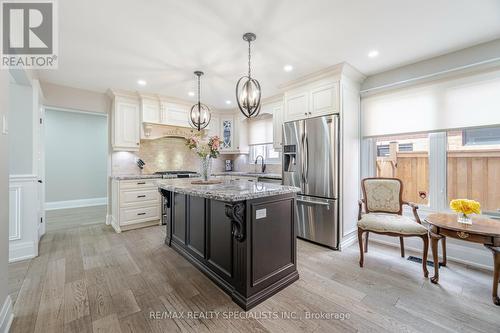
<point>113,43</point>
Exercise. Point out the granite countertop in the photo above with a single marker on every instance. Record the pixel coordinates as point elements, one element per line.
<point>133,177</point>
<point>227,191</point>
<point>148,176</point>
<point>249,174</point>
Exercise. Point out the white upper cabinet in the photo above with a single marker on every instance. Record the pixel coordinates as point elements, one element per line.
<point>150,108</point>
<point>227,133</point>
<point>126,122</point>
<point>277,126</point>
<point>157,110</point>
<point>174,114</point>
<point>233,134</point>
<point>276,110</point>
<point>297,105</point>
<point>324,99</point>
<point>213,127</point>
<point>311,100</point>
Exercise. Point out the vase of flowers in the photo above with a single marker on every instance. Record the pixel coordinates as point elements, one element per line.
<point>464,208</point>
<point>206,151</point>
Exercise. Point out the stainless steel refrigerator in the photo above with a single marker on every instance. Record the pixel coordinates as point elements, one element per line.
<point>310,161</point>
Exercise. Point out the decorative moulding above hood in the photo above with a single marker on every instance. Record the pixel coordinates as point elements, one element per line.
<point>156,131</point>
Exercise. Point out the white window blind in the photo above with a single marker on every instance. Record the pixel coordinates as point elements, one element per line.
<point>260,130</point>
<point>467,101</point>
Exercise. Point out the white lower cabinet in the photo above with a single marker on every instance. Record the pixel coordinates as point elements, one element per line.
<point>135,204</point>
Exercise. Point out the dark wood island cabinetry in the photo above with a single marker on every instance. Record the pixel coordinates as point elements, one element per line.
<point>240,234</point>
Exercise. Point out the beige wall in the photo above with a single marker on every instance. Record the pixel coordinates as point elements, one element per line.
<point>172,154</point>
<point>76,99</point>
<point>4,191</point>
<point>159,155</point>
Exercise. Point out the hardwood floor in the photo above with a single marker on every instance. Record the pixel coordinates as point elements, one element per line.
<point>75,217</point>
<point>90,279</point>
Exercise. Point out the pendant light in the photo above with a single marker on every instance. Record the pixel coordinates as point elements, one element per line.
<point>199,116</point>
<point>248,90</point>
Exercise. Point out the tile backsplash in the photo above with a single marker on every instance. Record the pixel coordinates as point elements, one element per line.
<point>169,153</point>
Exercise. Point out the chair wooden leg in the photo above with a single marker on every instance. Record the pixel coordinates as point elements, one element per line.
<point>424,257</point>
<point>366,242</point>
<point>361,252</point>
<point>402,244</point>
<point>443,243</point>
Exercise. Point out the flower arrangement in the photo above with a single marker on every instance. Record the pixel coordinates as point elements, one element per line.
<point>206,150</point>
<point>465,207</point>
<point>203,149</point>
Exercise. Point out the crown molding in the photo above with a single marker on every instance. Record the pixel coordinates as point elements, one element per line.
<point>332,71</point>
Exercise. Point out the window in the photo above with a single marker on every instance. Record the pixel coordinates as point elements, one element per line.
<point>481,136</point>
<point>383,150</point>
<point>406,157</point>
<point>473,166</point>
<point>267,151</point>
<point>460,163</point>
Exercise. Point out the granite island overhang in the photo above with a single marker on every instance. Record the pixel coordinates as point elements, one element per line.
<point>240,234</point>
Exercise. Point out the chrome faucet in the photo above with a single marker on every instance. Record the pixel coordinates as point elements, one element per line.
<point>263,165</point>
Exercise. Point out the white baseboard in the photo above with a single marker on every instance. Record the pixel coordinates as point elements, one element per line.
<point>6,315</point>
<point>76,203</point>
<point>22,250</point>
<point>465,254</point>
<point>348,240</point>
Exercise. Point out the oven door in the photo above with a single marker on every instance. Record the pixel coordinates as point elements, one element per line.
<point>317,220</point>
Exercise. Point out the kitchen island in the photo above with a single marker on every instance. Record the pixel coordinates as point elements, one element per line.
<point>240,234</point>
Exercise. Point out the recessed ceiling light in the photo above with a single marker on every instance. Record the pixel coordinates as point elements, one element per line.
<point>141,82</point>
<point>228,102</point>
<point>373,53</point>
<point>288,68</point>
<point>191,93</point>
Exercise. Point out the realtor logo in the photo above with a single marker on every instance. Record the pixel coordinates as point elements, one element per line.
<point>29,38</point>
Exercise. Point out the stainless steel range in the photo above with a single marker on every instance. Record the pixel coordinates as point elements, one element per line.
<point>177,174</point>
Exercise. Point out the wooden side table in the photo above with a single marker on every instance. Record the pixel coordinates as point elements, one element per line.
<point>483,230</point>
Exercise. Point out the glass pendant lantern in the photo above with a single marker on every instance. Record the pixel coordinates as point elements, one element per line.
<point>199,116</point>
<point>248,91</point>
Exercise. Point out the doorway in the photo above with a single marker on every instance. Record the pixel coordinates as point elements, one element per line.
<point>76,167</point>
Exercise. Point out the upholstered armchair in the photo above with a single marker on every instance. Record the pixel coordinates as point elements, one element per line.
<point>382,198</point>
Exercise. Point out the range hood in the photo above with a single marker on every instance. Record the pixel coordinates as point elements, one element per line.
<point>152,131</point>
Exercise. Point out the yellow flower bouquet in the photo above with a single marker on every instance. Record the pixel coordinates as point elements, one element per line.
<point>465,207</point>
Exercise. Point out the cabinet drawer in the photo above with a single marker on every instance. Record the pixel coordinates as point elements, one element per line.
<point>138,183</point>
<point>137,215</point>
<point>466,236</point>
<point>138,196</point>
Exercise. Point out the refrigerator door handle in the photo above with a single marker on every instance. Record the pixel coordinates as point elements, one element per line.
<point>306,157</point>
<point>313,202</point>
<point>302,162</point>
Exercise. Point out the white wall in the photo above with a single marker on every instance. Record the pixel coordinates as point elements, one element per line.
<point>73,98</point>
<point>20,129</point>
<point>76,145</point>
<point>5,309</point>
<point>482,55</point>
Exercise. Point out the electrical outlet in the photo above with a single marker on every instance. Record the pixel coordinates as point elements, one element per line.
<point>5,126</point>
